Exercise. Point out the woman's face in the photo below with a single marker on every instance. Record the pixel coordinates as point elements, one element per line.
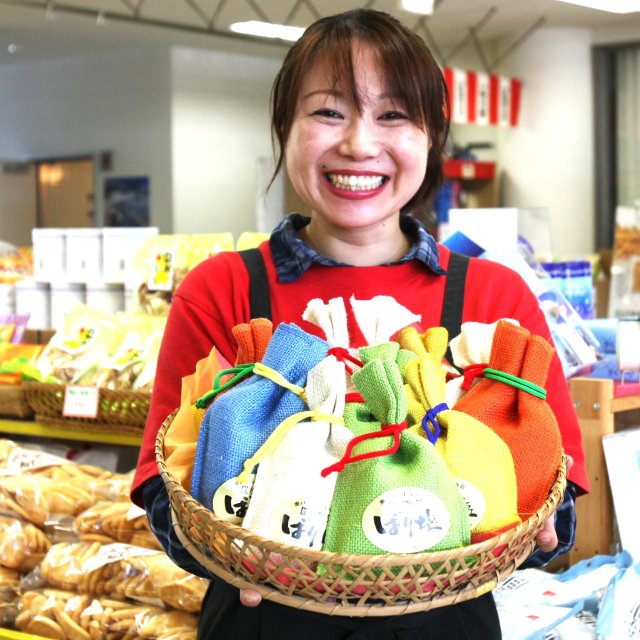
<point>355,170</point>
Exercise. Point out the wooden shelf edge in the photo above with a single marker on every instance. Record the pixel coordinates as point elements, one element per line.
<point>29,428</point>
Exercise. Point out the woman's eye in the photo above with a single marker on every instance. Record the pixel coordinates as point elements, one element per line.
<point>395,115</point>
<point>326,113</point>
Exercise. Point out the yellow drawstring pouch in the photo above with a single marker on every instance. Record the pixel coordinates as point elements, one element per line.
<point>477,458</point>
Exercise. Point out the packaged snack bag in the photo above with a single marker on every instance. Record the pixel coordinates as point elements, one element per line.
<point>511,399</point>
<point>75,352</point>
<point>239,422</point>
<point>290,499</point>
<point>394,493</point>
<point>477,458</point>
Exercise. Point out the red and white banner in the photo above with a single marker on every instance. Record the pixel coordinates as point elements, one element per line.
<point>482,98</point>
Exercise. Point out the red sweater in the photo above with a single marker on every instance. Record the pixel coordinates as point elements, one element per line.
<point>214,297</point>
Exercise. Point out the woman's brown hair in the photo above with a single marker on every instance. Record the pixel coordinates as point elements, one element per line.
<point>406,62</point>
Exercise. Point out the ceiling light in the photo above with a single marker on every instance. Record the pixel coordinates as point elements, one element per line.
<point>424,7</point>
<point>267,30</point>
<point>614,6</point>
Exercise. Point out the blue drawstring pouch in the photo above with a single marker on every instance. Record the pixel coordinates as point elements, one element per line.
<point>239,421</point>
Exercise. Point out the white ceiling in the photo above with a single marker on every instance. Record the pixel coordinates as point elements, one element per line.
<point>43,29</point>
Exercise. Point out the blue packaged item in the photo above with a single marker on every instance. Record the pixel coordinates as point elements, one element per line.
<point>238,422</point>
<point>605,331</point>
<point>579,287</point>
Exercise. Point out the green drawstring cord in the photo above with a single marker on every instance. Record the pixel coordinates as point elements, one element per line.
<point>514,381</point>
<point>240,372</point>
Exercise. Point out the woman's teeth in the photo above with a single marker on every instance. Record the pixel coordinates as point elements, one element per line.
<point>355,183</point>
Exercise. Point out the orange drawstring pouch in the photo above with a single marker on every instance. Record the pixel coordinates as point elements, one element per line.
<point>477,458</point>
<point>511,399</point>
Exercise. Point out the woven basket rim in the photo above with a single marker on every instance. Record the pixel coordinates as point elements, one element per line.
<point>185,507</point>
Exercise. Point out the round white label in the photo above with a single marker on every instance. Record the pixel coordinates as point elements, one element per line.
<point>475,501</point>
<point>406,520</point>
<point>231,499</point>
<point>299,523</point>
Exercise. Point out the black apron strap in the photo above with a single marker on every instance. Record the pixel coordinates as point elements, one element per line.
<point>259,300</point>
<point>453,303</point>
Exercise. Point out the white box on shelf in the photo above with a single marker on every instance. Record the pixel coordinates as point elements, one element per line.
<point>119,246</point>
<point>7,298</point>
<point>65,295</point>
<point>49,248</point>
<point>33,298</point>
<point>83,254</point>
<point>105,296</point>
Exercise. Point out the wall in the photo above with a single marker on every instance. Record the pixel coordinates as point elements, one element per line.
<point>220,133</point>
<point>548,159</point>
<point>118,101</point>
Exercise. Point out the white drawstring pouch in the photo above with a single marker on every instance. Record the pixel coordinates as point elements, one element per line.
<point>290,500</point>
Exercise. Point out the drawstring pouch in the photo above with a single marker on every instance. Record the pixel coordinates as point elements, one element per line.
<point>252,339</point>
<point>511,399</point>
<point>477,458</point>
<point>290,500</point>
<point>238,422</point>
<point>394,493</point>
<point>381,317</point>
<point>182,435</point>
<point>470,351</point>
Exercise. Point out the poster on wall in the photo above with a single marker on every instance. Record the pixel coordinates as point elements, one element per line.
<point>624,293</point>
<point>126,202</point>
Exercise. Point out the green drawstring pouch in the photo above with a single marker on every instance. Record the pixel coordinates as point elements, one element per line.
<point>478,458</point>
<point>394,493</point>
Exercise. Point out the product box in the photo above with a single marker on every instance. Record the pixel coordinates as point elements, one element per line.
<point>119,246</point>
<point>33,299</point>
<point>64,295</point>
<point>49,249</point>
<point>83,254</point>
<point>104,296</point>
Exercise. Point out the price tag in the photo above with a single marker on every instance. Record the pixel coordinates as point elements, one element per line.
<point>80,402</point>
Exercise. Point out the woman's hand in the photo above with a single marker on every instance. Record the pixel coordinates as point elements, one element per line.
<point>250,598</point>
<point>547,539</point>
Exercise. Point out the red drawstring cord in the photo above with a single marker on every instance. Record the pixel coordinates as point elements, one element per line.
<point>386,430</point>
<point>343,355</point>
<point>470,373</point>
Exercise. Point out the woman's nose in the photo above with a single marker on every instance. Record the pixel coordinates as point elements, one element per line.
<point>360,140</point>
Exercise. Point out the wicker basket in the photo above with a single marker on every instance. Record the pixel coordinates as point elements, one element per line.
<point>13,402</point>
<point>118,411</point>
<point>342,584</point>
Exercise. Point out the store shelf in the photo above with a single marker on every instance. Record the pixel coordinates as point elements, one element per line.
<point>469,170</point>
<point>8,634</point>
<point>30,428</point>
<point>603,408</point>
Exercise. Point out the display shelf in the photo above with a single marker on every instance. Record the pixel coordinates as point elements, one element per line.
<point>602,411</point>
<point>8,634</point>
<point>31,428</point>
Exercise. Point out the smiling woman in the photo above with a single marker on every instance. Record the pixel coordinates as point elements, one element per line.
<point>359,116</point>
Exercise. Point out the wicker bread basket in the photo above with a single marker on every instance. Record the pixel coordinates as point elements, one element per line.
<point>13,402</point>
<point>342,584</point>
<point>118,411</point>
